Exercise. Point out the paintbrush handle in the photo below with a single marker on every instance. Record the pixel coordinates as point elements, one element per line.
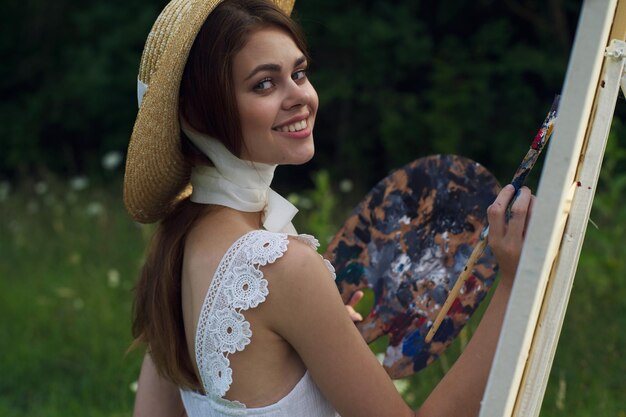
<point>467,271</point>
<point>539,142</point>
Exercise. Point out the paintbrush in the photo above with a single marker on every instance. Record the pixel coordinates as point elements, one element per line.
<point>540,140</point>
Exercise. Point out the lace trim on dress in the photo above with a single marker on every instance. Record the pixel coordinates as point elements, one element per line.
<point>315,244</point>
<point>238,285</point>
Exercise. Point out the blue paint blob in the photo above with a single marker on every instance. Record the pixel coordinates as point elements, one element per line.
<point>420,360</point>
<point>439,294</point>
<point>351,274</point>
<point>412,344</point>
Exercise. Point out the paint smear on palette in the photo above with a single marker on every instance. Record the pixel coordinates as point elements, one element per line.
<point>408,241</point>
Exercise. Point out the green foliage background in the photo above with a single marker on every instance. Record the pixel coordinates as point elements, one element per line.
<point>397,80</point>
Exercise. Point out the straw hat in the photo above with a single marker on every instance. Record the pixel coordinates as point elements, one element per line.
<point>157,175</point>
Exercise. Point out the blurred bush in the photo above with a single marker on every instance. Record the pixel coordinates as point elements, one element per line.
<point>397,80</point>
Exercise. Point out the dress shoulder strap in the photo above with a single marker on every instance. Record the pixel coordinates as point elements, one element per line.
<point>238,285</point>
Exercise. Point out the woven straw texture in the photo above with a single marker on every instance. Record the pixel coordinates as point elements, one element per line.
<point>157,176</point>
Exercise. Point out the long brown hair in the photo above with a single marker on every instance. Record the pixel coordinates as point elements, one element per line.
<point>207,102</point>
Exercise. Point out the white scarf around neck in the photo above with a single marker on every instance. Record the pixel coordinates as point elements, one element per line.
<point>238,184</point>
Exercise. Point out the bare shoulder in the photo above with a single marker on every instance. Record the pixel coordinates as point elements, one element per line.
<point>305,308</point>
<point>299,272</point>
<point>299,256</point>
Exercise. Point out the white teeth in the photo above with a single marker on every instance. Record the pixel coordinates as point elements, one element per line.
<point>293,127</point>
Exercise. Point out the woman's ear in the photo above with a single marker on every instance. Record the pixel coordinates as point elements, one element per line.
<point>192,154</point>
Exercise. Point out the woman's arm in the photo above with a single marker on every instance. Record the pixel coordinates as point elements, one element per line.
<point>463,386</point>
<point>156,397</point>
<point>307,311</point>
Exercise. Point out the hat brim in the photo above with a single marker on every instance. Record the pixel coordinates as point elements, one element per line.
<point>157,174</point>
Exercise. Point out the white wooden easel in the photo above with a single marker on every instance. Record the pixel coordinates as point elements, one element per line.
<point>556,231</point>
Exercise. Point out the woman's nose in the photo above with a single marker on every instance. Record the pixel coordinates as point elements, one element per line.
<point>296,95</point>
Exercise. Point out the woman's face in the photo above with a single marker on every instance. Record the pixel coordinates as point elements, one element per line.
<point>277,103</point>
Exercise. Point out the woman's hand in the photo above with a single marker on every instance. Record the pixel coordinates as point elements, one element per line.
<point>356,297</point>
<point>506,237</point>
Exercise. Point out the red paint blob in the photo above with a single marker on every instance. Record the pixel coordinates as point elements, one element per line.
<point>470,283</point>
<point>457,307</point>
<point>537,141</point>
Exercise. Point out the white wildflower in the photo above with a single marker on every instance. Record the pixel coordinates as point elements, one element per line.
<point>293,198</point>
<point>560,395</point>
<point>41,188</point>
<point>94,209</point>
<point>113,278</point>
<point>112,160</point>
<point>306,203</point>
<point>346,185</point>
<point>79,183</point>
<point>5,189</point>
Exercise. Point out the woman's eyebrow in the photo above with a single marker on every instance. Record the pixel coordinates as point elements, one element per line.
<point>299,61</point>
<point>263,67</point>
<point>273,67</point>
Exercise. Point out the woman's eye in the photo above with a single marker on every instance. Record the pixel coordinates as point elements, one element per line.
<point>265,84</point>
<point>299,75</point>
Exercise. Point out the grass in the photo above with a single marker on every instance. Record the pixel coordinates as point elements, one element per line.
<point>70,257</point>
<point>69,262</point>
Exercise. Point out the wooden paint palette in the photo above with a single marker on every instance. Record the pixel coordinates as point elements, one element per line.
<point>408,240</point>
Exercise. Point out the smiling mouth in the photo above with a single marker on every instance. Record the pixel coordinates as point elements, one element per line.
<point>294,127</point>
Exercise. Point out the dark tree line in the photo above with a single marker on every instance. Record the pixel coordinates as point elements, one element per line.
<point>396,79</point>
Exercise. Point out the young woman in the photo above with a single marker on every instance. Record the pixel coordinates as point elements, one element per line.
<point>241,316</point>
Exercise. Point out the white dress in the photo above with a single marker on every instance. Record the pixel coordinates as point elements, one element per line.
<point>238,285</point>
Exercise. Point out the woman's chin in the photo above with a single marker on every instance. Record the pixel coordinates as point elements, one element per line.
<point>305,156</point>
<point>304,160</point>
